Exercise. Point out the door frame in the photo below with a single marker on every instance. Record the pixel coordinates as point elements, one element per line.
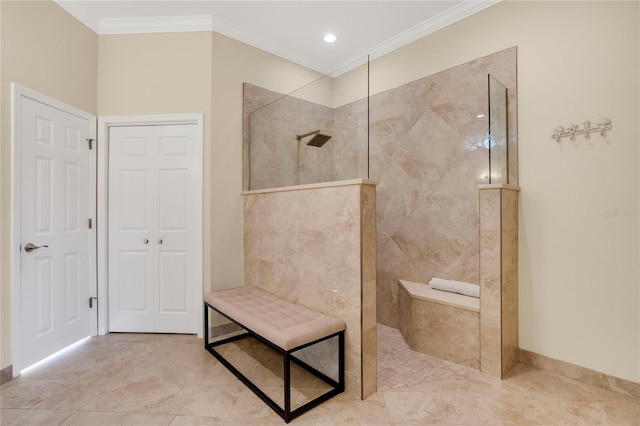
<point>19,92</point>
<point>104,124</point>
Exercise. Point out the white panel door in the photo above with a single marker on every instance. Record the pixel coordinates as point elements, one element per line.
<point>153,246</point>
<point>176,242</point>
<point>131,229</point>
<point>55,209</point>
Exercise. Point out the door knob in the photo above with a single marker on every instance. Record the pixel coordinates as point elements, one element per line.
<point>145,241</point>
<point>31,247</point>
<point>159,240</point>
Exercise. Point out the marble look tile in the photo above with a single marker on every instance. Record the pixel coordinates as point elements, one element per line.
<point>529,380</point>
<point>141,397</point>
<point>8,415</point>
<point>35,417</point>
<point>405,315</point>
<point>445,332</point>
<point>509,210</point>
<point>346,409</point>
<point>509,300</point>
<point>368,233</point>
<point>490,344</point>
<point>582,374</point>
<point>490,210</point>
<point>490,272</point>
<point>248,406</point>
<point>101,364</point>
<point>273,157</point>
<point>162,371</point>
<point>333,208</point>
<point>621,386</point>
<point>211,401</point>
<point>76,394</point>
<point>243,421</point>
<point>313,255</point>
<point>281,279</point>
<point>369,360</point>
<point>197,421</point>
<point>435,408</point>
<point>83,418</point>
<point>423,389</point>
<point>27,393</point>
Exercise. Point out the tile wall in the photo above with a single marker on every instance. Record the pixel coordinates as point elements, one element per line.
<point>315,246</point>
<point>498,279</point>
<point>275,158</point>
<point>443,331</point>
<point>427,148</point>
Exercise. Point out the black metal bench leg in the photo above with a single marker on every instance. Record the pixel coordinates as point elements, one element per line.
<point>341,362</point>
<point>206,326</point>
<point>287,388</point>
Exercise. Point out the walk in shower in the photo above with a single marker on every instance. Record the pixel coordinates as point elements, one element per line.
<point>430,144</point>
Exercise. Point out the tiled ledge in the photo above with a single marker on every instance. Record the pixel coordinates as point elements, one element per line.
<point>313,186</point>
<point>424,292</point>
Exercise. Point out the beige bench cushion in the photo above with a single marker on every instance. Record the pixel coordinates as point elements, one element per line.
<point>281,322</point>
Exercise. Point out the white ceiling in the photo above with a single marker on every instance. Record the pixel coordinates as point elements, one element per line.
<point>290,29</point>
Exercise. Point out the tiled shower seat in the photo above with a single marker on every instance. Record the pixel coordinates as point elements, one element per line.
<point>442,324</point>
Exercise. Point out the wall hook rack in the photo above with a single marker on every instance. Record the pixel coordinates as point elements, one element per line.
<point>601,126</point>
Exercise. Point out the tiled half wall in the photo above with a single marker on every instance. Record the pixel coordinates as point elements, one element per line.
<point>315,245</point>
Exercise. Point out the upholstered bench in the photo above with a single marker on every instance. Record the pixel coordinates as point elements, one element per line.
<point>283,326</point>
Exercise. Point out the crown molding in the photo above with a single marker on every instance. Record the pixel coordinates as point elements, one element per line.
<point>430,26</point>
<point>164,24</point>
<point>192,23</point>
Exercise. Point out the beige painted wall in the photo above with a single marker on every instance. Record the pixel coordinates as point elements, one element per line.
<point>47,50</point>
<point>579,279</point>
<point>233,64</point>
<point>168,73</point>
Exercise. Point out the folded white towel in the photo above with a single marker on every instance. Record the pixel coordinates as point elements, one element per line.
<point>460,287</point>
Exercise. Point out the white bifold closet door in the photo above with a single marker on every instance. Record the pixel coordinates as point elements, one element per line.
<point>152,215</point>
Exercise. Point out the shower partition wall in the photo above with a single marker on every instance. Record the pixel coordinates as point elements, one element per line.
<point>302,137</point>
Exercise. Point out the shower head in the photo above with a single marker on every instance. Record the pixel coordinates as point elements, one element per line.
<point>317,140</point>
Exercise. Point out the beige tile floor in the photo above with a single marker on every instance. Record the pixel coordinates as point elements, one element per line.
<point>144,379</point>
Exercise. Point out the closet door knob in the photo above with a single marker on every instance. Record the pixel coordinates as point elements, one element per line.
<point>146,241</point>
<point>159,240</point>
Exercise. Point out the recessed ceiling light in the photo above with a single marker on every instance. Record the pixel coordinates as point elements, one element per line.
<point>330,38</point>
